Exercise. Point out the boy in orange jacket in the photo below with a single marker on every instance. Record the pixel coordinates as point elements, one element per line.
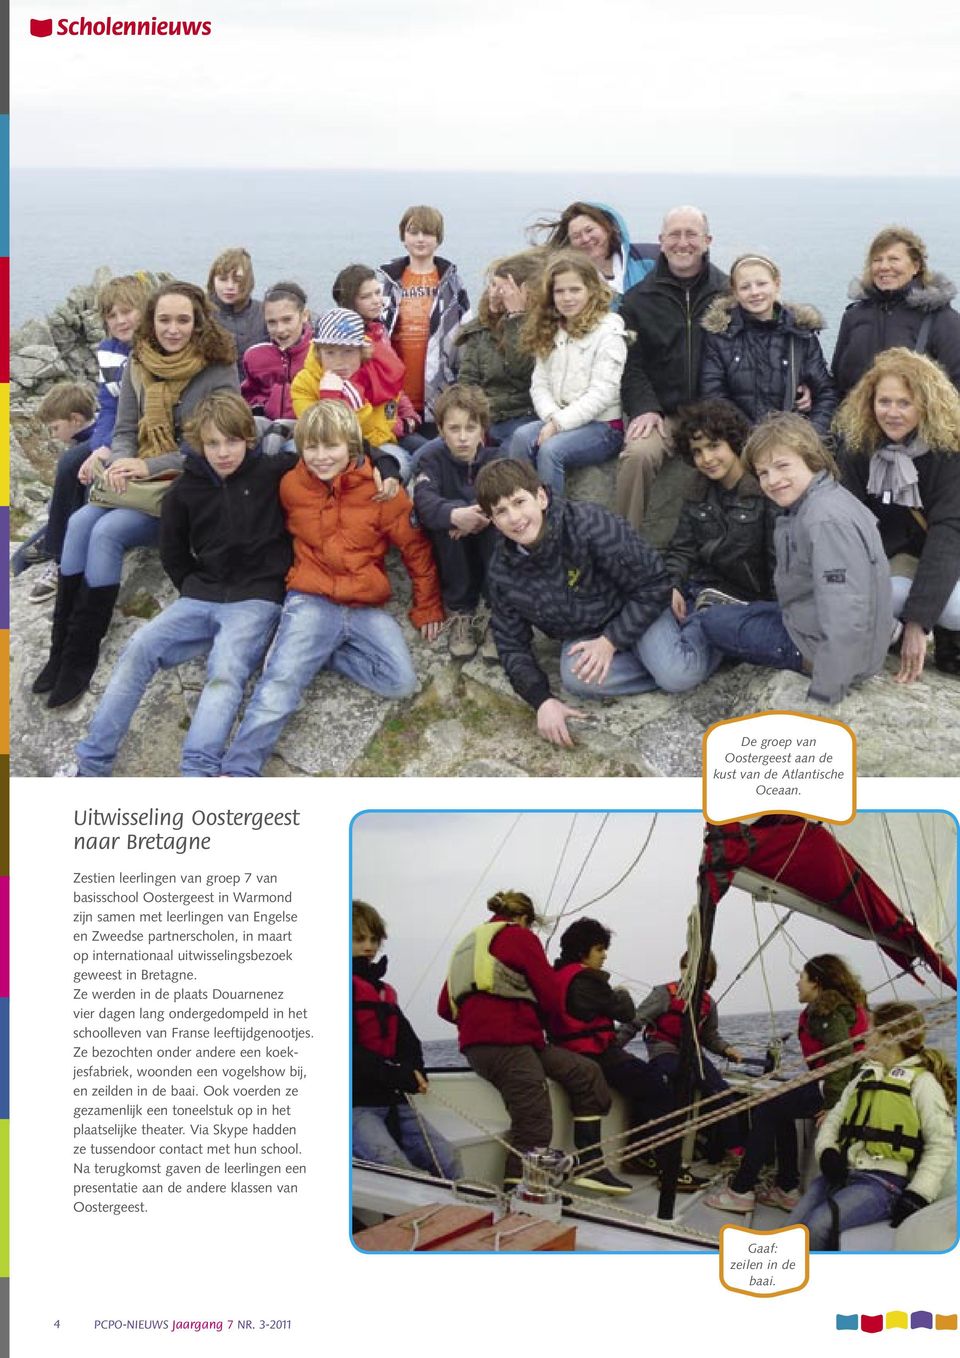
<point>333,616</point>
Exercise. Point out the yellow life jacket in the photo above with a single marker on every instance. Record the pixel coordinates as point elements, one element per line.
<point>473,968</point>
<point>881,1115</point>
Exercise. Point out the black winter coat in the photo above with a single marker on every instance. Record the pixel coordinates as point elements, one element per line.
<point>885,320</point>
<point>663,362</point>
<point>443,484</point>
<point>758,365</point>
<point>724,539</point>
<point>937,547</point>
<point>590,574</point>
<point>224,541</point>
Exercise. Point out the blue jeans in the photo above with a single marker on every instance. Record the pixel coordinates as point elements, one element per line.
<point>753,633</point>
<point>236,636</point>
<point>900,587</point>
<point>867,1196</point>
<point>583,447</point>
<point>392,1136</point>
<point>365,644</point>
<point>667,656</point>
<point>97,539</point>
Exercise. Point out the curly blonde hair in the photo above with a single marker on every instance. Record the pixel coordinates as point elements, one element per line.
<point>932,391</point>
<point>544,320</point>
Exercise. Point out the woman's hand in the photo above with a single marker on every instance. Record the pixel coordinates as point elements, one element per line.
<point>513,298</point>
<point>126,469</point>
<point>678,605</point>
<point>593,659</point>
<point>94,464</point>
<point>547,431</point>
<point>913,653</point>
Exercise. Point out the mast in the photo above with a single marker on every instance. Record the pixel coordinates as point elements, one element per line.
<point>684,1082</point>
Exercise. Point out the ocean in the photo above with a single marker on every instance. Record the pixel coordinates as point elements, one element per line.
<point>308,224</point>
<point>751,1033</point>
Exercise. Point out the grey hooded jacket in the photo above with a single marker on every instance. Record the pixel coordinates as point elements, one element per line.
<point>833,587</point>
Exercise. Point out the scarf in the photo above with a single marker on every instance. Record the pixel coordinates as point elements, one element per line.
<point>893,477</point>
<point>164,378</point>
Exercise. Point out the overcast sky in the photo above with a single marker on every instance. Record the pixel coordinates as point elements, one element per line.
<point>430,876</point>
<point>856,87</point>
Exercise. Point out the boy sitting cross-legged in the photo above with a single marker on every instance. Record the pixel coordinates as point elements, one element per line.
<point>445,495</point>
<point>224,545</point>
<point>333,616</point>
<point>582,574</point>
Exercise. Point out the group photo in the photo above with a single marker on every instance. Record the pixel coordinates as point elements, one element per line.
<point>569,491</point>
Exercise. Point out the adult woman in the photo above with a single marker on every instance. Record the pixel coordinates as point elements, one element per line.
<point>180,354</point>
<point>897,302</point>
<point>834,1014</point>
<point>600,233</point>
<point>491,356</point>
<point>499,990</point>
<point>758,352</point>
<point>900,428</point>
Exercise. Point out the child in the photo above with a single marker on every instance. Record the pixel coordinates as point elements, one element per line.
<point>337,358</point>
<point>230,290</point>
<point>833,618</point>
<point>224,545</point>
<point>499,992</point>
<point>333,616</point>
<point>580,573</point>
<point>580,352</point>
<point>121,302</point>
<point>589,1009</point>
<point>835,1009</point>
<point>68,410</point>
<point>886,1146</point>
<point>357,288</point>
<point>446,500</point>
<point>388,1066</point>
<point>425,303</point>
<point>661,1017</point>
<point>900,428</point>
<point>723,541</point>
<point>270,367</point>
<point>764,356</point>
<point>491,354</point>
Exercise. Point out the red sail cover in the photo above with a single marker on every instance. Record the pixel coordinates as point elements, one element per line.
<point>804,856</point>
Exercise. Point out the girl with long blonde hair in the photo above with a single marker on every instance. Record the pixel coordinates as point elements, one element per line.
<point>580,352</point>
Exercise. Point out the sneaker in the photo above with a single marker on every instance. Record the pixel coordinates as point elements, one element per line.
<point>30,553</point>
<point>602,1181</point>
<point>896,632</point>
<point>708,597</point>
<point>687,1182</point>
<point>461,641</point>
<point>726,1200</point>
<point>775,1196</point>
<point>45,586</point>
<point>640,1164</point>
<point>488,648</point>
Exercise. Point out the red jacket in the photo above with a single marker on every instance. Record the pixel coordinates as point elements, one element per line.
<point>268,372</point>
<point>381,379</point>
<point>591,1036</point>
<point>509,1023</point>
<point>341,536</point>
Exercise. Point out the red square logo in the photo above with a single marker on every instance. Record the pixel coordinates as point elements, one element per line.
<point>41,28</point>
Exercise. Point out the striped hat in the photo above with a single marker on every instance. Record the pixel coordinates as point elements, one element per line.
<point>340,326</point>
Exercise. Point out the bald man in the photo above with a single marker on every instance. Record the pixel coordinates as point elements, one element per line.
<point>663,365</point>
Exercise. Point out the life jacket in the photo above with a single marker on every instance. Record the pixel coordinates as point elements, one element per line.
<point>579,1035</point>
<point>811,1045</point>
<point>668,1026</point>
<point>377,1016</point>
<point>881,1114</point>
<point>473,968</point>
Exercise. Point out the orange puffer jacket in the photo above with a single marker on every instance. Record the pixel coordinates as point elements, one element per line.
<point>341,536</point>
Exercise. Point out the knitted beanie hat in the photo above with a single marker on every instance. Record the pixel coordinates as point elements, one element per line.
<point>340,327</point>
